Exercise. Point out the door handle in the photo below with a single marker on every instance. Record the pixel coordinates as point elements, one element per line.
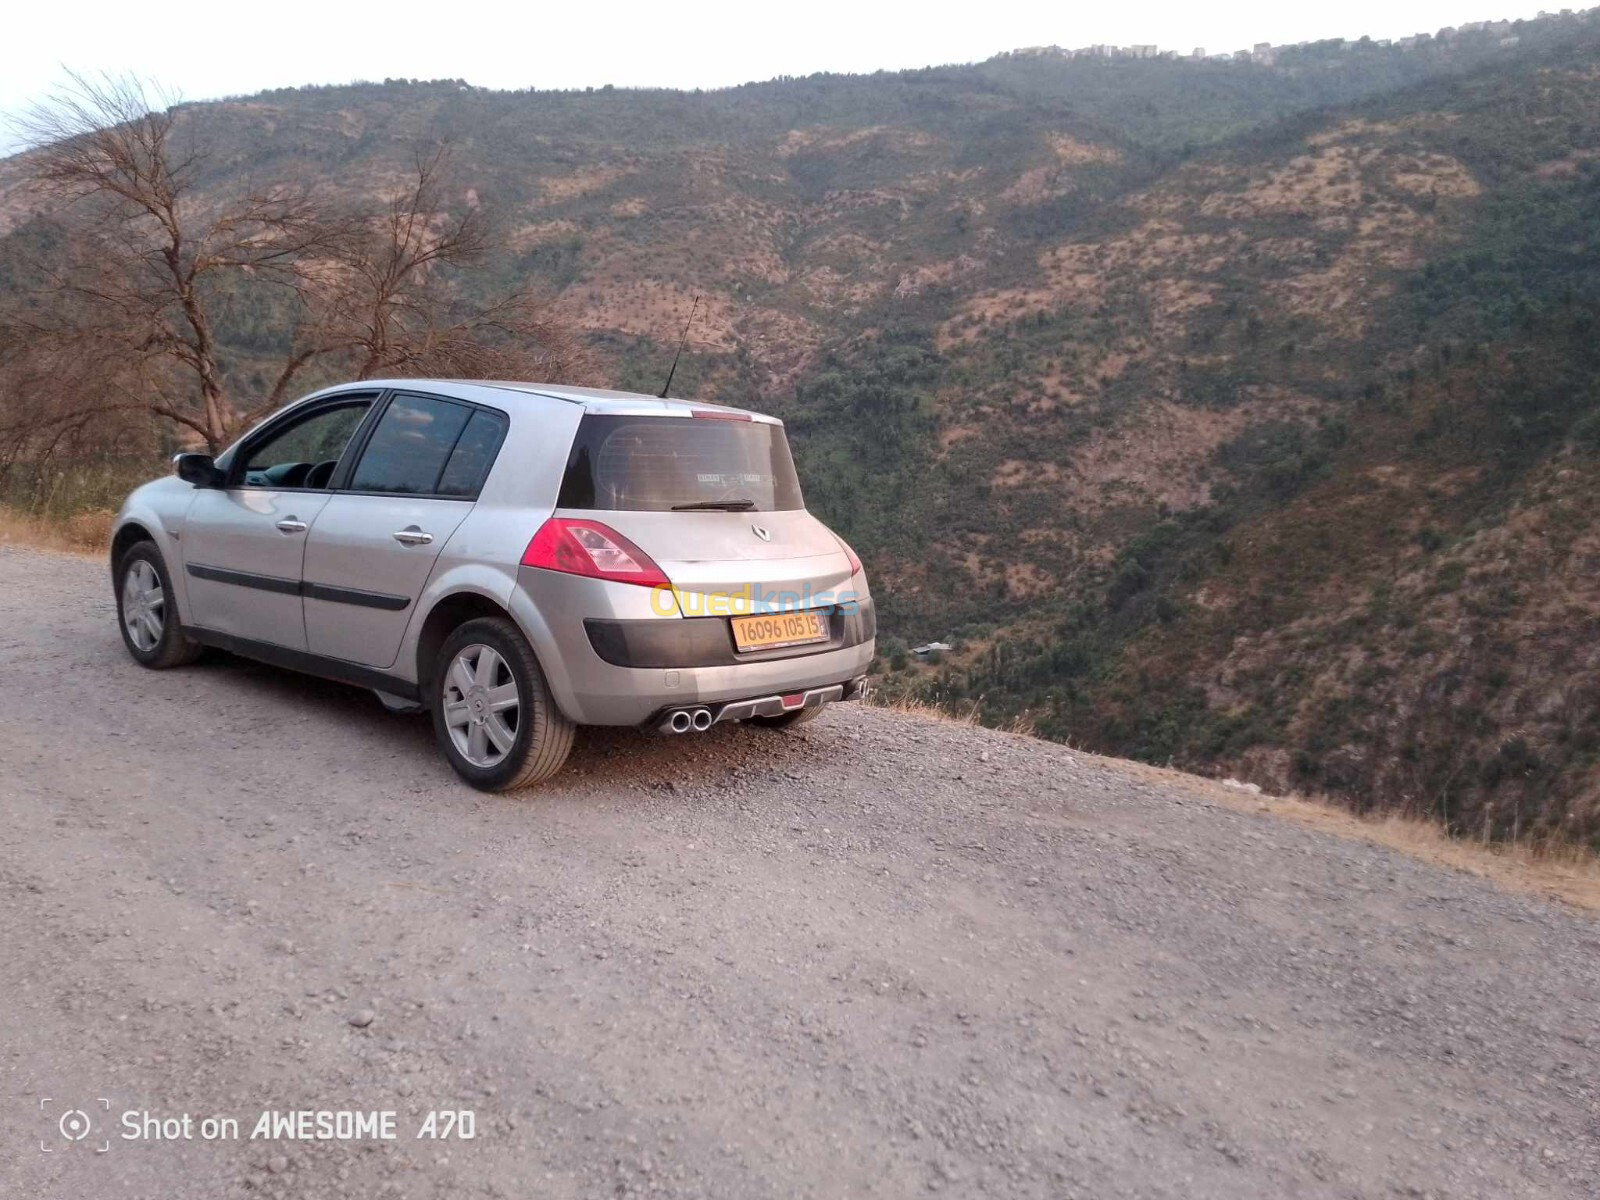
<point>292,525</point>
<point>412,536</point>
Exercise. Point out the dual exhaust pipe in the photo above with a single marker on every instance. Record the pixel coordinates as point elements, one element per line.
<point>686,720</point>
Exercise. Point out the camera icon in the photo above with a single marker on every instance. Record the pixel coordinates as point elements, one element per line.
<point>74,1124</point>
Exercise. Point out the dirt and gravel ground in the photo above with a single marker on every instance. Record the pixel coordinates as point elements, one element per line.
<point>883,956</point>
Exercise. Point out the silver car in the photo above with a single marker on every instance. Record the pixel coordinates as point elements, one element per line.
<point>514,558</point>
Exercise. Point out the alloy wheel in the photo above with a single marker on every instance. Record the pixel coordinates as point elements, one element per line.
<point>144,606</point>
<point>482,708</point>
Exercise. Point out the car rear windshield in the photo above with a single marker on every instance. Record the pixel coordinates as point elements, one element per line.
<point>658,464</point>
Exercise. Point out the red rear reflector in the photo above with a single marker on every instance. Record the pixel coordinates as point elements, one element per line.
<point>712,414</point>
<point>589,548</point>
<point>795,700</point>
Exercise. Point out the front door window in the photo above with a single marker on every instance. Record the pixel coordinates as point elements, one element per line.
<point>305,454</point>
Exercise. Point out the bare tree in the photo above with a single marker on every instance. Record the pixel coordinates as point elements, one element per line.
<point>388,304</point>
<point>137,285</point>
<point>145,259</point>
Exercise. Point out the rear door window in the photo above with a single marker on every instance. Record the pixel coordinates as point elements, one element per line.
<point>470,461</point>
<point>659,464</point>
<point>424,446</point>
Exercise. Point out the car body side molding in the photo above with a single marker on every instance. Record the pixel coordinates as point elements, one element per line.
<point>265,583</point>
<point>343,595</point>
<point>293,587</point>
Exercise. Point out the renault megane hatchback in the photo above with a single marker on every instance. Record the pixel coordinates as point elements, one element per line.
<point>515,558</point>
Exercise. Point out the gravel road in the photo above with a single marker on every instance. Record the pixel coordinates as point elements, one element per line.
<point>882,956</point>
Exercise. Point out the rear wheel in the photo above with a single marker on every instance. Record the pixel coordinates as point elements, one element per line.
<point>146,612</point>
<point>788,720</point>
<point>492,711</point>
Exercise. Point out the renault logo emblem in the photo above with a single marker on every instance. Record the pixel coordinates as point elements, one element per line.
<point>761,533</point>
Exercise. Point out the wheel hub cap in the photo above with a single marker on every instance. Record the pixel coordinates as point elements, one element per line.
<point>482,707</point>
<point>144,606</point>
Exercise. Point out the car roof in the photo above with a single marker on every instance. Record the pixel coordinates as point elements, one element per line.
<point>598,400</point>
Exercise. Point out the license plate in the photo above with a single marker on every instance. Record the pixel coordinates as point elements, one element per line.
<point>779,629</point>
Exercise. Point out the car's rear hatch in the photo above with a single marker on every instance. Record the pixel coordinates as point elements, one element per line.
<point>658,480</point>
<point>787,558</point>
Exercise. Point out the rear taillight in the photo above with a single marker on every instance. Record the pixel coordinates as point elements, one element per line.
<point>855,563</point>
<point>589,548</point>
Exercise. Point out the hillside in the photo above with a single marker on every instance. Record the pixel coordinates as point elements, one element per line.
<point>1348,515</point>
<point>1234,415</point>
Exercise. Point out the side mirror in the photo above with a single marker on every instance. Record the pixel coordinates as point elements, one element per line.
<point>197,469</point>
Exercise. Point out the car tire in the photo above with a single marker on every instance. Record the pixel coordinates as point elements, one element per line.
<point>788,720</point>
<point>147,613</point>
<point>468,693</point>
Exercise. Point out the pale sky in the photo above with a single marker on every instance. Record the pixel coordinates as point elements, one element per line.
<point>203,50</point>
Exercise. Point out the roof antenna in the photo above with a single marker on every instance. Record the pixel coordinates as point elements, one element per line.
<point>667,386</point>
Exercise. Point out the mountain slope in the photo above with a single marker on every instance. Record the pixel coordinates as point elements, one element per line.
<point>1365,466</point>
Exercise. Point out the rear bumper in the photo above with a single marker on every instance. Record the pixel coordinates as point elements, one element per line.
<point>776,706</point>
<point>664,662</point>
<point>708,641</point>
<point>769,706</point>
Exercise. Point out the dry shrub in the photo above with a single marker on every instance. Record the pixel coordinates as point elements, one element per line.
<point>39,533</point>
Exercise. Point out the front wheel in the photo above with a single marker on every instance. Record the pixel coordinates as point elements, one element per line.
<point>492,711</point>
<point>146,612</point>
